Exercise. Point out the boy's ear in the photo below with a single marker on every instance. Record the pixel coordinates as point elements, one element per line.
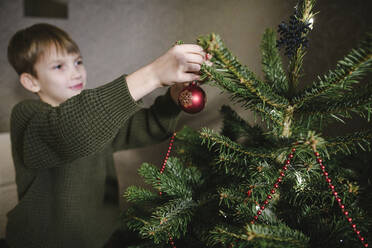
<point>29,82</point>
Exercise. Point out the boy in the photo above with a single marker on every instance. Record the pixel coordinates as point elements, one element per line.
<point>62,144</point>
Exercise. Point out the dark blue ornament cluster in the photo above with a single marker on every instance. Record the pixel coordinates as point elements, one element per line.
<point>293,35</point>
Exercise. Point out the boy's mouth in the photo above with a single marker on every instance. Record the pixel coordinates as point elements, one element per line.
<point>77,86</point>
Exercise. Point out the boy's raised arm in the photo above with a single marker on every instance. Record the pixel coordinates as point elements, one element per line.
<point>80,126</point>
<point>88,122</point>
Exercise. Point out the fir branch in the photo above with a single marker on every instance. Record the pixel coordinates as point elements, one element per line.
<point>233,125</point>
<point>230,164</point>
<point>177,180</point>
<point>341,107</point>
<point>225,145</point>
<point>189,135</point>
<point>233,194</point>
<point>272,63</point>
<point>348,71</point>
<point>295,70</point>
<point>136,194</point>
<point>304,10</point>
<point>214,44</point>
<point>150,174</point>
<point>352,142</point>
<point>236,127</point>
<point>241,94</point>
<point>169,220</point>
<point>178,176</point>
<point>260,235</point>
<point>282,233</point>
<point>253,169</point>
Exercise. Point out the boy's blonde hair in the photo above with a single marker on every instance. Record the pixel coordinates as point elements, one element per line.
<point>30,44</point>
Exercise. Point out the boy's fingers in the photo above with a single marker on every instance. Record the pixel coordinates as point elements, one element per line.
<point>196,49</point>
<point>194,58</point>
<point>192,48</point>
<point>190,77</point>
<point>192,67</point>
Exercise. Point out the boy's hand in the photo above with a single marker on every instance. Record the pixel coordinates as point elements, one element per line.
<point>179,64</point>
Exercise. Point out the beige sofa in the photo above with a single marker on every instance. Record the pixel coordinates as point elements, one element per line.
<point>8,190</point>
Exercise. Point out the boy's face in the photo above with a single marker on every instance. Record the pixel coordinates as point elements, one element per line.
<point>60,76</point>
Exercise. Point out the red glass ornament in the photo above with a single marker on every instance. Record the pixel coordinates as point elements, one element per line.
<point>192,99</point>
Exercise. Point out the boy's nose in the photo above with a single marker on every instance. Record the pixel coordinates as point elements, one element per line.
<point>75,73</point>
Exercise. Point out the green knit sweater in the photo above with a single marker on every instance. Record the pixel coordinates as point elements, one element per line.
<point>63,156</point>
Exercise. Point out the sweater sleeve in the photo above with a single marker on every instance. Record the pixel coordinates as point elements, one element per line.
<point>46,136</point>
<point>149,125</point>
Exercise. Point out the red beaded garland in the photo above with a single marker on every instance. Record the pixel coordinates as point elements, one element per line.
<point>171,242</point>
<point>269,197</point>
<point>335,194</point>
<point>276,185</point>
<point>249,193</point>
<point>328,180</point>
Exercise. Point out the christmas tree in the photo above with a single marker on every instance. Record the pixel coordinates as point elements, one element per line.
<point>283,184</point>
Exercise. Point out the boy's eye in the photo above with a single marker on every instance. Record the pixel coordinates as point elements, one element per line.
<point>58,67</point>
<point>79,62</point>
